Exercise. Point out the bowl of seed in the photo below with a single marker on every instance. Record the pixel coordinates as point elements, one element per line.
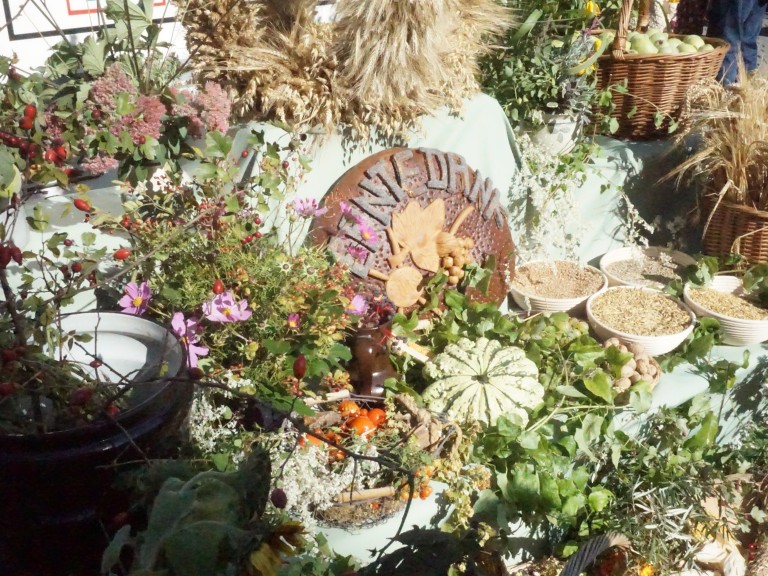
<point>743,318</point>
<point>640,315</point>
<point>652,266</point>
<point>555,286</point>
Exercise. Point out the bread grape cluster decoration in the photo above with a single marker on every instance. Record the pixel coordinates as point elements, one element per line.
<point>481,380</point>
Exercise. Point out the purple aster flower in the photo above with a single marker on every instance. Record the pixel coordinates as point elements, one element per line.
<point>358,306</point>
<point>357,252</point>
<point>294,321</point>
<point>307,207</point>
<point>224,308</point>
<point>136,299</point>
<point>367,233</point>
<point>187,331</point>
<point>346,210</point>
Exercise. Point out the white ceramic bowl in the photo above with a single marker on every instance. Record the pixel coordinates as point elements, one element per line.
<point>534,303</point>
<point>654,345</point>
<point>736,331</point>
<point>633,252</point>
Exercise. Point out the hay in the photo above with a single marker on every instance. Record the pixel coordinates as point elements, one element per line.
<point>381,63</point>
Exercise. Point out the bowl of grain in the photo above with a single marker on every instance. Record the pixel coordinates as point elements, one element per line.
<point>654,267</point>
<point>555,285</point>
<point>743,319</point>
<point>640,315</point>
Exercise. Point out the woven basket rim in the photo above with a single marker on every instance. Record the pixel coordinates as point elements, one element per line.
<point>735,206</point>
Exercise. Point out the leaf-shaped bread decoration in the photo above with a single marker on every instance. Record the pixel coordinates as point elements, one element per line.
<point>417,229</point>
<point>403,286</point>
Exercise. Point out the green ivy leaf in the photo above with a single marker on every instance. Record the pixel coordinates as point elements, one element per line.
<point>600,386</point>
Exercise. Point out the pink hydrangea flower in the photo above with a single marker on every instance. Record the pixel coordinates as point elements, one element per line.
<point>187,329</point>
<point>99,164</point>
<point>224,308</point>
<point>358,306</point>
<point>307,207</point>
<point>214,107</point>
<point>136,298</point>
<point>294,321</point>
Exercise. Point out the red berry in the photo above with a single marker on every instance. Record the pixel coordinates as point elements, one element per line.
<point>122,253</point>
<point>13,74</point>
<point>142,139</point>
<point>51,156</point>
<point>61,152</point>
<point>299,366</point>
<point>68,242</point>
<point>77,267</point>
<point>218,286</point>
<point>7,388</point>
<point>257,234</point>
<point>82,204</point>
<point>15,142</point>
<point>195,373</point>
<point>16,254</point>
<point>257,221</point>
<point>80,397</point>
<point>26,123</point>
<point>8,355</point>
<point>244,154</point>
<point>278,498</point>
<point>5,256</point>
<point>96,363</point>
<point>30,111</point>
<point>112,410</point>
<point>285,164</point>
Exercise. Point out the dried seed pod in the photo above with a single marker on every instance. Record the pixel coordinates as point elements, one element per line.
<point>652,370</point>
<point>627,371</point>
<point>642,366</point>
<point>635,378</point>
<point>631,362</point>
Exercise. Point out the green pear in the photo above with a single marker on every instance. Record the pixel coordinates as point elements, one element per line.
<point>643,45</point>
<point>656,36</point>
<point>684,48</point>
<point>706,48</point>
<point>674,41</point>
<point>667,49</point>
<point>694,40</point>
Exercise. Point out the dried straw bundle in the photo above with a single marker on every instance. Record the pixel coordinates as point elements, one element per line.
<point>733,127</point>
<point>380,63</point>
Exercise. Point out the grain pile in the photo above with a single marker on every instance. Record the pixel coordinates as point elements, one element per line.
<point>558,279</point>
<point>640,312</point>
<point>728,304</point>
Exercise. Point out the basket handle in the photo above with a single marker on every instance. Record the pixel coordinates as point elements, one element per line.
<point>625,13</point>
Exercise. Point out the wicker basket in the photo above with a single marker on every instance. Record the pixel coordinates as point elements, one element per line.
<point>734,228</point>
<point>655,83</point>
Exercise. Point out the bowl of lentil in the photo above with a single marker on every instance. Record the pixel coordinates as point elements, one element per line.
<point>555,286</point>
<point>743,319</point>
<point>640,315</point>
<point>653,266</point>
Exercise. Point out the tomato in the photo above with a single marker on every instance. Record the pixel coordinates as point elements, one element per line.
<point>362,425</point>
<point>122,253</point>
<point>425,492</point>
<point>313,439</point>
<point>377,416</point>
<point>348,408</point>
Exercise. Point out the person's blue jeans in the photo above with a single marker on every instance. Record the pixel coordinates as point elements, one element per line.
<point>739,23</point>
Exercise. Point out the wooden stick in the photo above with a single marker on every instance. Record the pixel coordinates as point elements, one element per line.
<point>394,244</point>
<point>368,494</point>
<point>460,219</point>
<point>378,275</point>
<point>330,397</point>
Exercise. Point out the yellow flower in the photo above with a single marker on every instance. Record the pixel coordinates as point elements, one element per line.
<point>646,570</point>
<point>592,8</point>
<point>596,44</point>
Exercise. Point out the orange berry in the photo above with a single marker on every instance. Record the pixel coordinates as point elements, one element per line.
<point>377,416</point>
<point>348,408</point>
<point>425,492</point>
<point>363,426</point>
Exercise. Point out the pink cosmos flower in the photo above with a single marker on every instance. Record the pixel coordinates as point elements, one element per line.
<point>367,233</point>
<point>307,207</point>
<point>358,306</point>
<point>136,298</point>
<point>357,252</point>
<point>224,308</point>
<point>187,330</point>
<point>294,321</point>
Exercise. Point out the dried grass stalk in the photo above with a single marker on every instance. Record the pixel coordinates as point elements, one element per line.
<point>732,123</point>
<point>381,63</point>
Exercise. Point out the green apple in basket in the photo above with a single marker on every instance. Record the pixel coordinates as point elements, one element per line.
<point>643,45</point>
<point>694,40</point>
<point>684,48</point>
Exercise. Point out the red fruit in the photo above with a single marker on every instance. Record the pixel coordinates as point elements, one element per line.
<point>80,397</point>
<point>278,498</point>
<point>377,416</point>
<point>257,221</point>
<point>121,254</point>
<point>218,286</point>
<point>285,164</point>
<point>77,267</point>
<point>257,234</point>
<point>82,205</point>
<point>13,74</point>
<point>30,111</point>
<point>16,254</point>
<point>26,123</point>
<point>68,242</point>
<point>244,154</point>
<point>195,373</point>
<point>362,425</point>
<point>112,410</point>
<point>8,355</point>
<point>299,367</point>
<point>61,152</point>
<point>7,388</point>
<point>5,257</point>
<point>96,363</point>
